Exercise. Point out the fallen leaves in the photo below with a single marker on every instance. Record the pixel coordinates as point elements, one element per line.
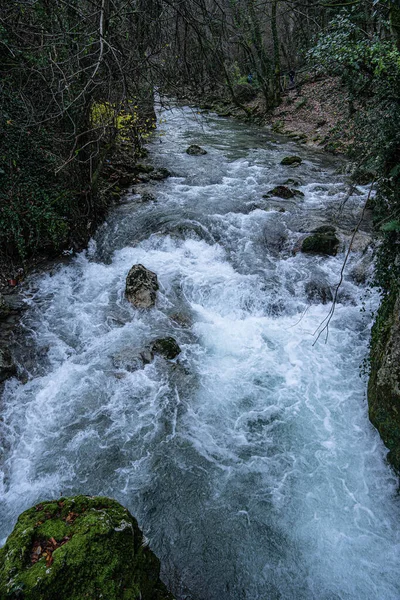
<point>45,549</point>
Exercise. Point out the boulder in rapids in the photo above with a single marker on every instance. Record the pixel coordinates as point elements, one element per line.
<point>141,287</point>
<point>318,291</point>
<point>166,347</point>
<point>195,150</point>
<point>322,241</point>
<point>281,191</point>
<point>293,161</point>
<point>75,548</point>
<point>160,174</point>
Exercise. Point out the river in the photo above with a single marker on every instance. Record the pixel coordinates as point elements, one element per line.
<point>249,461</point>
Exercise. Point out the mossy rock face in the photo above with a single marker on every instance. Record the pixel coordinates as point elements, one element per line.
<point>384,381</point>
<point>77,548</point>
<point>166,347</point>
<point>321,243</point>
<point>195,150</point>
<point>293,161</point>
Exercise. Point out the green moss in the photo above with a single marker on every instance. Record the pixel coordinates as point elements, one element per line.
<point>77,548</point>
<point>321,243</point>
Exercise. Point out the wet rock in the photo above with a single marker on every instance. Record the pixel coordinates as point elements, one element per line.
<point>160,174</point>
<point>318,291</point>
<point>144,177</point>
<point>7,366</point>
<point>195,150</point>
<point>384,381</point>
<point>291,181</point>
<point>322,241</point>
<point>132,360</point>
<point>281,191</point>
<point>293,161</point>
<point>141,287</point>
<point>275,235</point>
<point>166,347</point>
<point>148,197</point>
<point>80,547</point>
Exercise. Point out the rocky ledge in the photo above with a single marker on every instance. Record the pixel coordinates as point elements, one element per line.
<point>75,548</point>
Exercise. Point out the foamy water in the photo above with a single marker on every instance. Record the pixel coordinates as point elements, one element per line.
<point>249,462</point>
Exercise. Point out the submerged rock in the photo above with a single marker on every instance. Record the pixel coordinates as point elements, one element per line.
<point>148,197</point>
<point>132,360</point>
<point>76,548</point>
<point>195,150</point>
<point>166,347</point>
<point>294,161</point>
<point>141,287</point>
<point>322,241</point>
<point>7,366</point>
<point>384,381</point>
<point>318,291</point>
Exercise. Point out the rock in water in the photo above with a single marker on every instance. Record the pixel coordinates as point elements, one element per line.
<point>7,366</point>
<point>322,241</point>
<point>141,287</point>
<point>167,347</point>
<point>195,150</point>
<point>281,191</point>
<point>294,161</point>
<point>75,548</point>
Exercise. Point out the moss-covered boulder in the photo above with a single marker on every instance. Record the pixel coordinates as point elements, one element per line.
<point>384,381</point>
<point>79,548</point>
<point>166,347</point>
<point>291,161</point>
<point>282,191</point>
<point>323,240</point>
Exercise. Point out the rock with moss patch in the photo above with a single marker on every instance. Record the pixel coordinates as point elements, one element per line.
<point>293,161</point>
<point>166,347</point>
<point>75,548</point>
<point>195,150</point>
<point>141,287</point>
<point>384,381</point>
<point>322,241</point>
<point>281,191</point>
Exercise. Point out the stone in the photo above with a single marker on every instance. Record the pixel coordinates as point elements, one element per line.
<point>148,197</point>
<point>293,161</point>
<point>79,547</point>
<point>132,359</point>
<point>281,191</point>
<point>7,366</point>
<point>141,287</point>
<point>125,180</point>
<point>195,150</point>
<point>160,174</point>
<point>4,308</point>
<point>384,381</point>
<point>321,243</point>
<point>324,229</point>
<point>166,347</point>
<point>318,291</point>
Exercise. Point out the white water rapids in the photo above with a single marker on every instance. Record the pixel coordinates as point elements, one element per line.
<point>249,461</point>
